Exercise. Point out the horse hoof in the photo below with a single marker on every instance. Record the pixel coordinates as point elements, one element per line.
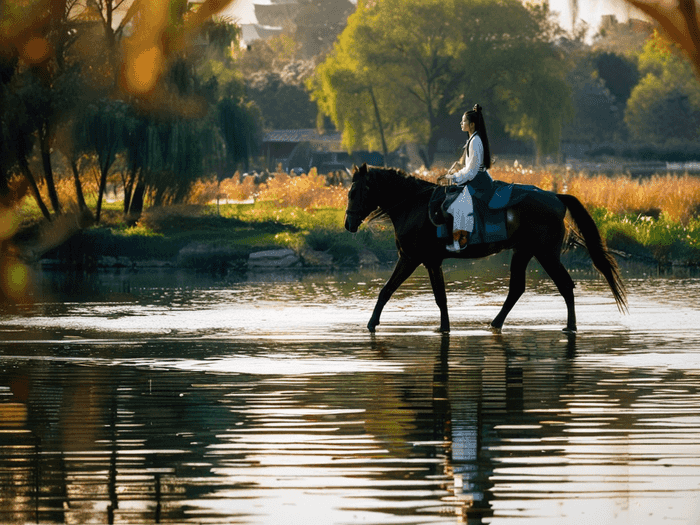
<point>569,330</point>
<point>372,327</point>
<point>443,330</point>
<point>495,329</point>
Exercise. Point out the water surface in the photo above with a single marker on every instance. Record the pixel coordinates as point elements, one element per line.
<point>176,398</point>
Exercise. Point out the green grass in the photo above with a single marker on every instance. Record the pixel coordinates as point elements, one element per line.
<point>662,239</point>
<point>240,229</point>
<point>226,237</point>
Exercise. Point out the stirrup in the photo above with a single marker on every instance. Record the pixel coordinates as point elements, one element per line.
<point>455,247</point>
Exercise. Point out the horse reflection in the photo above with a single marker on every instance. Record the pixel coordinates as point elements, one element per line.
<point>474,398</point>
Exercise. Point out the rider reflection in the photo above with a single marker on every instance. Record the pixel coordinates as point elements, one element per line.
<point>471,398</point>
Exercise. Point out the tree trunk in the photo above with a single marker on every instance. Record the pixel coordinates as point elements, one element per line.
<point>100,193</point>
<point>385,151</point>
<point>24,167</point>
<point>129,183</point>
<point>136,206</point>
<point>80,197</point>
<point>48,170</point>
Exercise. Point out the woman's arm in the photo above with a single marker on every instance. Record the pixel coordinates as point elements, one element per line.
<point>474,162</point>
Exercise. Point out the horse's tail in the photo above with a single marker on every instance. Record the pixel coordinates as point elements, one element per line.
<point>602,259</point>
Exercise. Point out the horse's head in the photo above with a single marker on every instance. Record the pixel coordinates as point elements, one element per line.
<point>361,201</point>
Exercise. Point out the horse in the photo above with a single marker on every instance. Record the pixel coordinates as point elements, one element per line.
<point>535,228</point>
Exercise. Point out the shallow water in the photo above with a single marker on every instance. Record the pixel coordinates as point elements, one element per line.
<point>175,398</point>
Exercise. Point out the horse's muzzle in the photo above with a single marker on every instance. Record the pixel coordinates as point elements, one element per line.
<point>352,223</point>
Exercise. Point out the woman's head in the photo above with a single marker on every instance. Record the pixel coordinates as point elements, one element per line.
<point>476,117</point>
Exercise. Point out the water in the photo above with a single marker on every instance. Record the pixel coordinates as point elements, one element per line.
<point>173,398</point>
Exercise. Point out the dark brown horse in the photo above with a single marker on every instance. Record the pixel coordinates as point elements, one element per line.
<point>535,228</point>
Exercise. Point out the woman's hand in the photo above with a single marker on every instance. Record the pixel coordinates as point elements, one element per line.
<point>444,180</point>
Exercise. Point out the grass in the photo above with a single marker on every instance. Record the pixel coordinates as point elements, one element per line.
<point>654,218</point>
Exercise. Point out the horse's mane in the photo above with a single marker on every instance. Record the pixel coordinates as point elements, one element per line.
<point>409,185</point>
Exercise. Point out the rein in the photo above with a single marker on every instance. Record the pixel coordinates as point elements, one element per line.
<point>385,210</point>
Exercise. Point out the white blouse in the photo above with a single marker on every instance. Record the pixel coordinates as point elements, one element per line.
<point>474,161</point>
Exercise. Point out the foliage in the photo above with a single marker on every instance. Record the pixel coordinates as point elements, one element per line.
<point>382,82</point>
<point>597,116</point>
<point>271,54</point>
<point>281,97</point>
<point>619,73</point>
<point>100,90</point>
<point>665,105</point>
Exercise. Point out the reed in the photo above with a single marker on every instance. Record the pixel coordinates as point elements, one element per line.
<point>304,191</point>
<point>673,197</point>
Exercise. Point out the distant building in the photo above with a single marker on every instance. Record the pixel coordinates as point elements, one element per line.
<point>295,148</point>
<point>271,18</point>
<point>621,37</point>
<point>303,149</point>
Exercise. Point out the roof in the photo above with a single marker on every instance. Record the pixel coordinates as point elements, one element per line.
<point>301,135</point>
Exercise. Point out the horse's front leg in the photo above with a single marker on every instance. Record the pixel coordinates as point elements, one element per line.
<point>403,270</point>
<point>437,281</point>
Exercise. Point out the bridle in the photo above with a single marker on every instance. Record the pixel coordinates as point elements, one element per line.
<point>358,200</point>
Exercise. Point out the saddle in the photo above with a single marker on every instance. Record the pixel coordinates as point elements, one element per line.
<point>491,198</point>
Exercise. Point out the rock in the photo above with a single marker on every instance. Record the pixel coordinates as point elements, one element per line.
<point>367,258</point>
<point>271,259</point>
<point>317,258</point>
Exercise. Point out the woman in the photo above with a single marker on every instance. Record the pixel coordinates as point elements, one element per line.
<point>474,174</point>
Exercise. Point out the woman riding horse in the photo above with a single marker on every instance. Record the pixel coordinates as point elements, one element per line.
<point>477,159</point>
<point>535,228</point>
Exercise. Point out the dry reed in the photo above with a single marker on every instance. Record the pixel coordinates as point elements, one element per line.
<point>675,197</point>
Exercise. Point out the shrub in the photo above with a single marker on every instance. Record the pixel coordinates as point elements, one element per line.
<point>305,191</point>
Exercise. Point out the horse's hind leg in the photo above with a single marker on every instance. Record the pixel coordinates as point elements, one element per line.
<point>565,284</point>
<point>518,266</point>
<point>402,271</point>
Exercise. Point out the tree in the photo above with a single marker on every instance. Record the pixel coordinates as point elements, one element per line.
<point>282,98</point>
<point>665,105</point>
<point>597,114</point>
<point>402,68</point>
<point>233,119</point>
<point>619,73</point>
<point>680,24</point>
<point>104,130</point>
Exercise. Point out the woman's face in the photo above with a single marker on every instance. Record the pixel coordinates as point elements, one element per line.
<point>467,126</point>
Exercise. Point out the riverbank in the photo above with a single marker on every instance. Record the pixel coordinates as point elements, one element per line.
<point>227,238</point>
<point>235,238</point>
<point>298,222</point>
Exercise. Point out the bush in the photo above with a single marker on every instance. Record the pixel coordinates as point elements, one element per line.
<point>305,191</point>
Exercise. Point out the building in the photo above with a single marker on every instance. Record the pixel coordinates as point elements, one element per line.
<point>269,19</point>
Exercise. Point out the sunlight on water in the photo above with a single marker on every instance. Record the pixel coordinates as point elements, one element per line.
<point>270,403</point>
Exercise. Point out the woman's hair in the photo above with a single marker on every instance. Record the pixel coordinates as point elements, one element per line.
<point>477,117</point>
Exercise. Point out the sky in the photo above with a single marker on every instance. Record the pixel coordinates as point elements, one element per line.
<point>590,11</point>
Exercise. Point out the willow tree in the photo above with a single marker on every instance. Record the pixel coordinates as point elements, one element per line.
<point>402,68</point>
